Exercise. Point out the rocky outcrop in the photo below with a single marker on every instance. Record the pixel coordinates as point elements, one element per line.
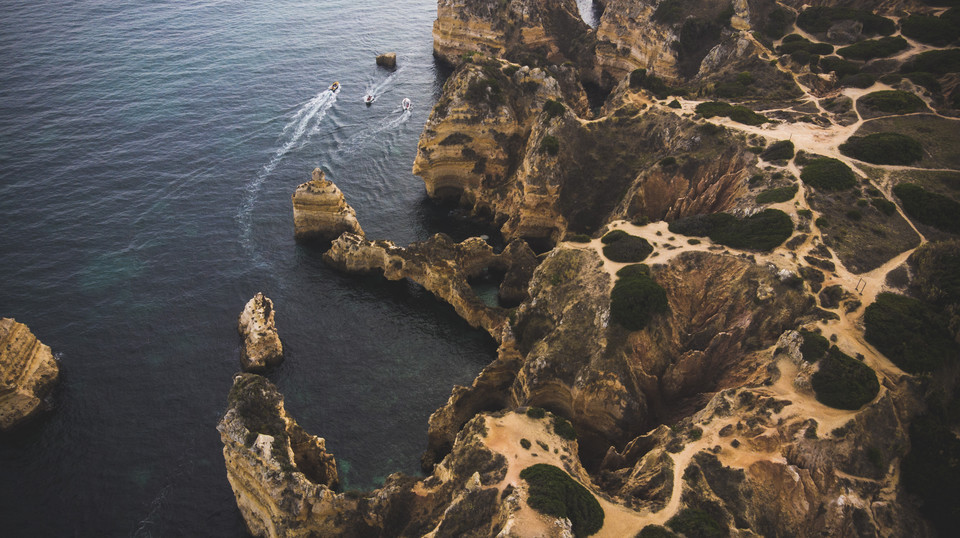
<point>388,60</point>
<point>532,32</point>
<point>320,212</point>
<point>444,268</point>
<point>261,347</point>
<point>28,374</point>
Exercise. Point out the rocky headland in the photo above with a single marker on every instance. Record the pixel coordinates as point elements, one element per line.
<point>729,302</point>
<point>28,374</point>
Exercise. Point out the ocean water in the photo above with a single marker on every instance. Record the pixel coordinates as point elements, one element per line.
<point>148,151</point>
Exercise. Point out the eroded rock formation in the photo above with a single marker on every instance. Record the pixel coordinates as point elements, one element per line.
<point>28,374</point>
<point>261,347</point>
<point>320,212</point>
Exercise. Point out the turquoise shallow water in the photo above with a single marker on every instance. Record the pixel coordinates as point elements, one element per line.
<point>148,151</point>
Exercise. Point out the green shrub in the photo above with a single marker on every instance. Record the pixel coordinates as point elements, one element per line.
<point>695,522</point>
<point>796,42</point>
<point>613,235</point>
<point>778,22</point>
<point>675,104</point>
<point>668,161</point>
<point>925,80</point>
<point>843,382</point>
<point>835,64</point>
<point>655,531</point>
<point>884,206</point>
<point>859,80</point>
<point>814,345</point>
<point>805,213</point>
<point>938,62</point>
<point>555,493</point>
<point>930,30</point>
<point>909,332</point>
<point>525,443</point>
<point>629,249</point>
<point>828,174</point>
<point>564,429</point>
<point>773,196</point>
<point>893,102</point>
<point>931,470</point>
<point>636,298</point>
<point>550,145</point>
<point>739,114</point>
<point>536,412</point>
<point>854,214</point>
<point>693,241</point>
<point>874,48</point>
<point>553,108</point>
<point>637,76</point>
<point>817,20</point>
<point>883,148</point>
<point>578,238</point>
<point>778,151</point>
<point>929,208</point>
<point>763,231</point>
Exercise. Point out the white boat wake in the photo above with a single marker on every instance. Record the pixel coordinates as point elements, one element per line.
<point>359,140</point>
<point>305,123</point>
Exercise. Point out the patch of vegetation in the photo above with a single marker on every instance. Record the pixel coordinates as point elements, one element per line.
<point>536,412</point>
<point>667,162</point>
<point>626,249</point>
<point>555,493</point>
<point>930,208</point>
<point>777,23</point>
<point>924,80</point>
<point>655,531</point>
<point>909,332</point>
<point>578,238</point>
<point>931,470</point>
<point>762,231</point>
<point>553,108</point>
<point>884,206</point>
<point>564,429</point>
<point>257,401</point>
<point>795,42</point>
<point>814,345</point>
<point>640,79</point>
<point>737,113</point>
<point>937,278</point>
<point>939,137</point>
<point>883,148</point>
<point>817,20</point>
<point>938,31</point>
<point>859,80</point>
<point>874,48</point>
<point>938,62</point>
<point>456,139</point>
<point>773,196</point>
<point>675,104</point>
<point>486,88</point>
<point>835,64</point>
<point>892,102</point>
<point>636,298</point>
<point>696,522</point>
<point>550,145</point>
<point>525,443</point>
<point>613,235</point>
<point>778,151</point>
<point>828,174</point>
<point>843,382</point>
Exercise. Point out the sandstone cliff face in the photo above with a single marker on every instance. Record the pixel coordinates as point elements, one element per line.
<point>628,39</point>
<point>261,346</point>
<point>320,211</point>
<point>28,373</point>
<point>527,31</point>
<point>443,268</point>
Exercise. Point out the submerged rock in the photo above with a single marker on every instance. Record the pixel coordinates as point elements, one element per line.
<point>388,60</point>
<point>320,212</point>
<point>261,347</point>
<point>28,373</point>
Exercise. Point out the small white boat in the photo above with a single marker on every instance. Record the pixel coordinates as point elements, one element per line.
<point>335,86</point>
<point>368,99</point>
<point>406,104</point>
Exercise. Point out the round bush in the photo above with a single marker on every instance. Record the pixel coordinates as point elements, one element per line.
<point>843,382</point>
<point>554,493</point>
<point>773,196</point>
<point>636,298</point>
<point>814,345</point>
<point>828,174</point>
<point>883,148</point>
<point>629,249</point>
<point>893,102</point>
<point>909,332</point>
<point>613,235</point>
<point>696,522</point>
<point>874,48</point>
<point>778,151</point>
<point>929,208</point>
<point>930,30</point>
<point>763,231</point>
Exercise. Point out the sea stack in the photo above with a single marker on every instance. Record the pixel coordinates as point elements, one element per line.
<point>320,212</point>
<point>28,373</point>
<point>261,344</point>
<point>388,60</point>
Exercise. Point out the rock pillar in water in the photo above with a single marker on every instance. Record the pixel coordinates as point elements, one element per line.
<point>388,60</point>
<point>320,212</point>
<point>28,373</point>
<point>261,344</point>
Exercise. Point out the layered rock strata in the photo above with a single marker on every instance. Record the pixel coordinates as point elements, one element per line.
<point>388,60</point>
<point>28,374</point>
<point>444,268</point>
<point>320,212</point>
<point>261,347</point>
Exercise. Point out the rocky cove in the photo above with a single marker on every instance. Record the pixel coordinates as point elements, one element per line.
<point>691,136</point>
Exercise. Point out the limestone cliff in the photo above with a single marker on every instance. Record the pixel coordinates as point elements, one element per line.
<point>28,374</point>
<point>261,347</point>
<point>320,211</point>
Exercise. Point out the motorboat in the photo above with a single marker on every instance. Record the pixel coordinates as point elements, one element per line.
<point>406,104</point>
<point>335,86</point>
<point>368,99</point>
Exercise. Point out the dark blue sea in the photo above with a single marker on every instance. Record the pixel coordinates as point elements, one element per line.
<point>148,152</point>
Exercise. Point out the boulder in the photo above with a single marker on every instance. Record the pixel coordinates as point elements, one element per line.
<point>28,373</point>
<point>320,211</point>
<point>388,60</point>
<point>261,345</point>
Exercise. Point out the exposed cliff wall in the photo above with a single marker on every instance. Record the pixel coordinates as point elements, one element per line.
<point>28,374</point>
